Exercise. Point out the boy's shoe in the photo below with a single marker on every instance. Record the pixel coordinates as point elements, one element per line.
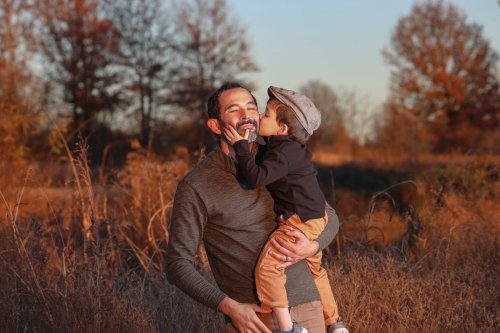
<point>299,329</point>
<point>337,327</point>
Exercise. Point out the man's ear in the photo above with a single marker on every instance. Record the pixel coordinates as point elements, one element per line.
<point>214,126</point>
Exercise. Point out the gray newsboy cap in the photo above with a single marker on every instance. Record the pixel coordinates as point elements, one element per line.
<point>305,110</point>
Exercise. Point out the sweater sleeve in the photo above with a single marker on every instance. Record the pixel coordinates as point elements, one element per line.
<point>331,228</point>
<point>189,217</point>
<point>273,167</point>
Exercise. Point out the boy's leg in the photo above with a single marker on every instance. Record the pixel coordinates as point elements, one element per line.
<point>312,229</point>
<point>270,281</point>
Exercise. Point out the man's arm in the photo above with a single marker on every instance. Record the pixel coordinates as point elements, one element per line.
<point>189,217</point>
<point>303,247</point>
<point>331,228</point>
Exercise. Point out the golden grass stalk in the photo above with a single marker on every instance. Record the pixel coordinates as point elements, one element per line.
<point>21,248</point>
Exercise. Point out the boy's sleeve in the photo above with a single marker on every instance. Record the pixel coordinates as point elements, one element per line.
<point>189,217</point>
<point>273,167</point>
<point>331,228</point>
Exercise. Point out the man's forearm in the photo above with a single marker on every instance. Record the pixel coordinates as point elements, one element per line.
<point>181,273</point>
<point>331,228</point>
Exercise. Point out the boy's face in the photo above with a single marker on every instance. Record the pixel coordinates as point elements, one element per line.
<point>268,124</point>
<point>238,109</point>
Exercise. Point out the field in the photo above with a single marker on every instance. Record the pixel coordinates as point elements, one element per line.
<point>82,250</point>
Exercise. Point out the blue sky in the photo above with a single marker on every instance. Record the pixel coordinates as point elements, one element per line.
<point>338,42</point>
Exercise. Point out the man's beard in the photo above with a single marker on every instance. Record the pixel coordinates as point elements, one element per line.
<point>253,133</point>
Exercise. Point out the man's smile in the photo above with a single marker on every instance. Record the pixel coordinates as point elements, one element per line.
<point>249,124</point>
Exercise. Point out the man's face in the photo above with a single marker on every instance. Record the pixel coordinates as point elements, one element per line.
<point>238,109</point>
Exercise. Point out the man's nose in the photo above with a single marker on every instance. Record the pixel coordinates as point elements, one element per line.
<point>245,113</point>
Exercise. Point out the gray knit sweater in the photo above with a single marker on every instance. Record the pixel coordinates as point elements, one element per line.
<point>213,205</point>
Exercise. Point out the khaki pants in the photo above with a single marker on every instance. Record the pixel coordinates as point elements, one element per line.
<point>270,282</point>
<point>308,315</point>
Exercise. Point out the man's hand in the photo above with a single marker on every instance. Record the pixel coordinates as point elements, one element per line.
<point>289,252</point>
<point>243,316</point>
<point>233,136</point>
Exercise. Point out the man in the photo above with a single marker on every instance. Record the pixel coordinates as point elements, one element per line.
<point>214,205</point>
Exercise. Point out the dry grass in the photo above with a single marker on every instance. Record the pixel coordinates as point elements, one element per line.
<point>380,293</point>
<point>445,281</point>
<point>60,272</point>
<point>89,297</point>
<point>87,257</point>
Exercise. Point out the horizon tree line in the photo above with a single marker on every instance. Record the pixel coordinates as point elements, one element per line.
<point>148,62</point>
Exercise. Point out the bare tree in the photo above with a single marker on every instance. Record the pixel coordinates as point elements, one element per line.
<point>444,74</point>
<point>78,43</point>
<point>211,47</point>
<point>359,114</point>
<point>347,118</point>
<point>145,52</point>
<point>327,101</point>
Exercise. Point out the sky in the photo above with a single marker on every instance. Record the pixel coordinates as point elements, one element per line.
<point>338,42</point>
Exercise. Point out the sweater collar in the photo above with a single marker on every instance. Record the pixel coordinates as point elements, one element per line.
<point>225,162</point>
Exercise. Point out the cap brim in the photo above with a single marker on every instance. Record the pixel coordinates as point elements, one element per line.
<point>270,92</point>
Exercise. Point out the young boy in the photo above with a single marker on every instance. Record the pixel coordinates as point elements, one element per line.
<point>287,171</point>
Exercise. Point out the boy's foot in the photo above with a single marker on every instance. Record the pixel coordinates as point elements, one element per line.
<point>337,327</point>
<point>299,329</point>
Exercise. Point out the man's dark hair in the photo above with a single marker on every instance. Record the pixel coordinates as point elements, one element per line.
<point>285,114</point>
<point>213,106</point>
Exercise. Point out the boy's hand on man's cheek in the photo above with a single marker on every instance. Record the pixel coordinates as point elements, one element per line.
<point>233,136</point>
